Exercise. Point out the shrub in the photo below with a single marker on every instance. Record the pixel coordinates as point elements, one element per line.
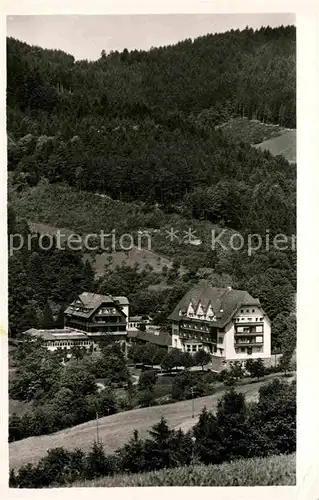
<point>147,380</point>
<point>97,463</point>
<point>146,398</point>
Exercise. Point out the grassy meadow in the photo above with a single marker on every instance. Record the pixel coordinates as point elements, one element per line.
<point>270,471</point>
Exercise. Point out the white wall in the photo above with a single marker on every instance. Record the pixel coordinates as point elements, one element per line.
<point>243,317</point>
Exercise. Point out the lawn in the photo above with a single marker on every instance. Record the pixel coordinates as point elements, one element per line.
<point>276,139</point>
<point>117,429</point>
<point>271,471</point>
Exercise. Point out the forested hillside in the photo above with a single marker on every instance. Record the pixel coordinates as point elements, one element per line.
<point>140,127</point>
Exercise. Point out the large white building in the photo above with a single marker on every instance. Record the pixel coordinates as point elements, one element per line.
<point>229,324</point>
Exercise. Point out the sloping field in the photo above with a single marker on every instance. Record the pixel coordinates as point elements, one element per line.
<point>271,471</point>
<point>284,144</point>
<point>117,429</point>
<point>140,256</point>
<point>278,140</point>
<point>250,131</point>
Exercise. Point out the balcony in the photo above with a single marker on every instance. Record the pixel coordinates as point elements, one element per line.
<point>247,342</point>
<point>249,333</point>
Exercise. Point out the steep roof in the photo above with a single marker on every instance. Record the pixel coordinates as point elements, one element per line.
<point>224,302</point>
<point>86,303</point>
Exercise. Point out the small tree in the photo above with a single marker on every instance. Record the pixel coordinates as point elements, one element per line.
<point>157,448</point>
<point>47,320</point>
<point>147,380</point>
<point>232,418</point>
<point>236,370</point>
<point>256,368</point>
<point>96,463</point>
<point>202,358</point>
<point>132,455</point>
<point>187,360</point>
<point>55,465</point>
<point>285,362</point>
<point>146,398</point>
<point>173,359</point>
<point>208,440</point>
<point>181,386</point>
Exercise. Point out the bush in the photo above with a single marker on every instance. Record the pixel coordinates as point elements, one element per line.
<point>147,380</point>
<point>98,464</point>
<point>146,398</point>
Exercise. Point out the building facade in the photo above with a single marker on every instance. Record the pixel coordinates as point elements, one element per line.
<point>99,315</point>
<point>64,338</point>
<point>229,324</point>
<point>138,322</point>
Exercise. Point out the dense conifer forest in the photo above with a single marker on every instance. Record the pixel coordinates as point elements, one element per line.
<point>142,127</point>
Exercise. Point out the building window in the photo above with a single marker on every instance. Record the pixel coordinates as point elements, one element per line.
<point>247,310</point>
<point>261,319</point>
<point>249,350</point>
<point>242,310</point>
<point>253,310</point>
<point>188,348</point>
<point>243,349</point>
<point>194,348</point>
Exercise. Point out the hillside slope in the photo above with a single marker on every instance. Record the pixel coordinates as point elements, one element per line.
<point>117,429</point>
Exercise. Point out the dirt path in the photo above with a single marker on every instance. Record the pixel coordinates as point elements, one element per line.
<point>117,429</point>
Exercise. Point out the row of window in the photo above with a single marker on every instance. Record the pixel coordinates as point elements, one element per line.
<point>247,310</point>
<point>249,340</point>
<point>80,309</point>
<point>197,337</point>
<point>108,310</point>
<point>195,326</point>
<point>201,316</point>
<point>68,343</point>
<point>249,350</point>
<point>249,329</point>
<point>247,319</point>
<point>113,319</point>
<point>193,347</point>
<point>95,329</point>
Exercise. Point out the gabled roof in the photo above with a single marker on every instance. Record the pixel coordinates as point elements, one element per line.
<point>224,302</point>
<point>89,302</point>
